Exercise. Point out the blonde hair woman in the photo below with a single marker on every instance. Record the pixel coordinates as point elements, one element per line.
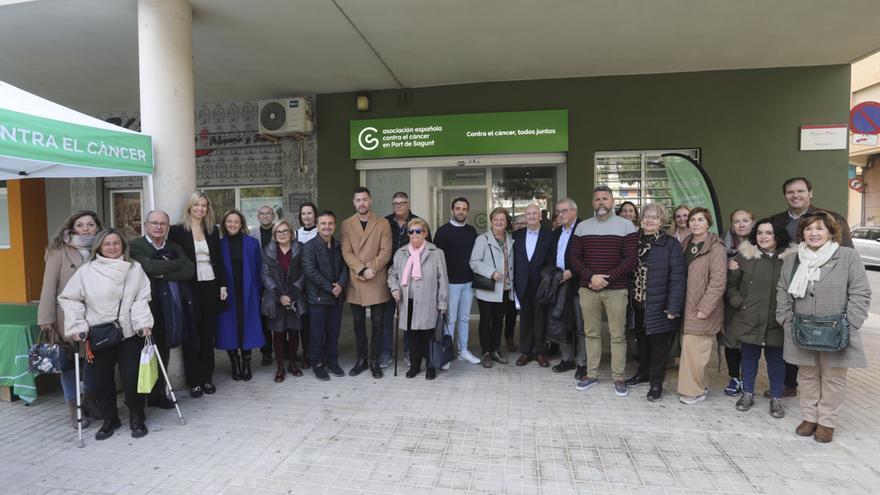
<point>198,236</point>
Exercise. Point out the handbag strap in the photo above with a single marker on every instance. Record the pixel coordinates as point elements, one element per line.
<point>491,253</point>
<point>122,298</point>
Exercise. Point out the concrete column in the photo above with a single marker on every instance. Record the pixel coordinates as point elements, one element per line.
<point>167,112</point>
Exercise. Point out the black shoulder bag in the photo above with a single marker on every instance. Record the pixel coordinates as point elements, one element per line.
<point>485,283</point>
<point>819,333</point>
<point>107,335</point>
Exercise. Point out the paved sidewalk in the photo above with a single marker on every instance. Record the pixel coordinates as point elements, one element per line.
<point>507,430</point>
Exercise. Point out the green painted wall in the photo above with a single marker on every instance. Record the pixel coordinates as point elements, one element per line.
<point>746,122</point>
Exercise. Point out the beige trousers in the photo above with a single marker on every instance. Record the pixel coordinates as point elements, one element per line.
<point>614,302</point>
<point>822,391</point>
<point>695,353</point>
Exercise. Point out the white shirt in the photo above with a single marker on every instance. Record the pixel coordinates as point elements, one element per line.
<point>564,237</point>
<point>531,242</point>
<point>154,244</point>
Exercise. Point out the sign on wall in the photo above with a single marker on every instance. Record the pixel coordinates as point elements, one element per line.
<point>823,137</point>
<point>464,134</point>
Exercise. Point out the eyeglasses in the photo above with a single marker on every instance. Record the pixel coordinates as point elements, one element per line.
<point>282,232</point>
<point>400,203</point>
<point>415,231</point>
<point>158,224</point>
<point>650,217</point>
<point>265,213</point>
<point>561,211</point>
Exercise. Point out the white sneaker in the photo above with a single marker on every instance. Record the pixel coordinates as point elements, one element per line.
<point>691,400</point>
<point>445,367</point>
<point>466,355</point>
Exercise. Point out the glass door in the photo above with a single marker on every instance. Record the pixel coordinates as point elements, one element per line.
<point>470,183</point>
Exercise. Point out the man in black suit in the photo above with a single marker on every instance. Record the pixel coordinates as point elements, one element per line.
<point>567,217</point>
<point>532,251</point>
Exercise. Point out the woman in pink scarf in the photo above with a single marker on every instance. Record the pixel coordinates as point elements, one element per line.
<point>419,285</point>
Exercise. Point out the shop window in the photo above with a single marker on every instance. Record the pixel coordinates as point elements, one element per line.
<point>4,217</point>
<point>126,212</point>
<point>247,199</point>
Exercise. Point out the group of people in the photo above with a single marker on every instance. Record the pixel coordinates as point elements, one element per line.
<point>680,290</point>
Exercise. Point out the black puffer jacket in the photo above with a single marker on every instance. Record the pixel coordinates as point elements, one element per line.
<point>277,282</point>
<point>322,267</point>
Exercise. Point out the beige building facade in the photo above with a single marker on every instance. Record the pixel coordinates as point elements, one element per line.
<point>864,207</point>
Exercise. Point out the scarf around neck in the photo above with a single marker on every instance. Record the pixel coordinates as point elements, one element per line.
<point>809,268</point>
<point>82,243</point>
<point>413,266</point>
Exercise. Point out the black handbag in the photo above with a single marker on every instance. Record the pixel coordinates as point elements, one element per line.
<point>107,335</point>
<point>485,283</point>
<point>440,351</point>
<point>827,333</point>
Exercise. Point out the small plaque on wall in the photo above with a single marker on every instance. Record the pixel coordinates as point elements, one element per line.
<point>823,137</point>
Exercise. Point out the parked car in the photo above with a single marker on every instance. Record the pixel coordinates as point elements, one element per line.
<point>867,242</point>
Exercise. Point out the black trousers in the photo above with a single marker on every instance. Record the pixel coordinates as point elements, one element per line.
<point>267,337</point>
<point>127,355</point>
<point>161,340</point>
<point>510,313</point>
<point>532,323</point>
<point>653,351</point>
<point>419,340</point>
<point>198,363</point>
<point>733,356</point>
<point>791,372</point>
<point>491,320</point>
<point>359,315</point>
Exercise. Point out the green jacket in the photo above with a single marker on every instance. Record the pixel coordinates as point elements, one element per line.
<point>751,293</point>
<point>179,269</point>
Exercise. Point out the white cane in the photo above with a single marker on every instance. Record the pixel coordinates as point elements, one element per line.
<point>170,388</point>
<point>79,421</point>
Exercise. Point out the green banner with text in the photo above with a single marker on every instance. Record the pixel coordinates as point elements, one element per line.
<point>465,134</point>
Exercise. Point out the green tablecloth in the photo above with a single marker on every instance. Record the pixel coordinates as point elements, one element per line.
<point>18,331</point>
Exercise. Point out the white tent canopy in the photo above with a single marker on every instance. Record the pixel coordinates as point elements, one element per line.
<point>39,138</point>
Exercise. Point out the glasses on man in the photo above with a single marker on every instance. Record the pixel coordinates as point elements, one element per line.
<point>415,231</point>
<point>157,224</point>
<point>562,210</point>
<point>265,213</point>
<point>400,203</point>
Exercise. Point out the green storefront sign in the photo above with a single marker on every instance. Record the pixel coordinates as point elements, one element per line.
<point>464,134</point>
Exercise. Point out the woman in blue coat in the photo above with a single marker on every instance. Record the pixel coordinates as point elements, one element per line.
<point>239,328</point>
<point>657,293</point>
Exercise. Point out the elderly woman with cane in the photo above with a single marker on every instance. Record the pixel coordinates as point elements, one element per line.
<point>419,284</point>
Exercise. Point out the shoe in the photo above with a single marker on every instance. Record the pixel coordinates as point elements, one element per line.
<point>786,392</point>
<point>468,356</point>
<point>246,373</point>
<point>542,361</point>
<point>376,371</point>
<point>335,370</point>
<point>446,367</point>
<point>777,410</point>
<point>359,367</point>
<point>160,402</point>
<point>806,429</point>
<point>107,429</point>
<point>385,362</point>
<point>691,400</point>
<point>580,373</point>
<point>235,364</point>
<point>619,387</point>
<point>733,388</point>
<point>523,360</point>
<point>823,434</point>
<point>431,374</point>
<point>267,359</point>
<point>293,370</point>
<point>585,383</point>
<point>487,360</point>
<point>306,363</point>
<point>279,375</point>
<point>412,372</point>
<point>321,373</point>
<point>655,393</point>
<point>745,402</point>
<point>85,420</point>
<point>498,358</point>
<point>511,345</point>
<point>195,392</point>
<point>563,366</point>
<point>138,428</point>
<point>637,381</point>
<point>209,388</point>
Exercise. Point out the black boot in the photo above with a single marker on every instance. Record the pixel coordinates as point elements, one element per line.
<point>235,364</point>
<point>246,373</point>
<point>359,367</point>
<point>90,406</point>
<point>107,429</point>
<point>138,428</point>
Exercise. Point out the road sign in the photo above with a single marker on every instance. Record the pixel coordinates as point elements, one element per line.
<point>864,118</point>
<point>856,184</point>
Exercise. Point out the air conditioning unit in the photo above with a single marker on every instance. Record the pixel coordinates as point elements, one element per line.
<point>286,116</point>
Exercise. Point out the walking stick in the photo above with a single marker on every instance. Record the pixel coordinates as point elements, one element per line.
<point>79,421</point>
<point>170,388</point>
<point>396,331</point>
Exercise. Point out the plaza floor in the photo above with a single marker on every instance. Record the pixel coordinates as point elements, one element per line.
<point>507,430</point>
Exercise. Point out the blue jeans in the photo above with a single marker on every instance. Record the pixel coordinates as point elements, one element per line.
<point>461,296</point>
<point>324,324</point>
<point>775,367</point>
<point>68,381</point>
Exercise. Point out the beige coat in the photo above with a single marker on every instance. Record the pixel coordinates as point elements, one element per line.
<point>706,283</point>
<point>92,297</point>
<point>61,264</point>
<point>429,294</point>
<point>367,248</point>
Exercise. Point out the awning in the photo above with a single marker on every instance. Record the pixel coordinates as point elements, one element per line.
<point>39,138</point>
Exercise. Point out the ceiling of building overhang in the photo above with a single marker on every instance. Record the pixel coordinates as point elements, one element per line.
<point>83,53</point>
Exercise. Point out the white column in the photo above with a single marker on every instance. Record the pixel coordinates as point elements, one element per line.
<point>167,114</point>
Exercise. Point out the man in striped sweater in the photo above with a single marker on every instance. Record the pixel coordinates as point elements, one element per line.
<point>604,253</point>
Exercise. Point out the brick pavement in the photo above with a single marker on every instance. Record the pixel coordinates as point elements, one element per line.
<point>472,431</point>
